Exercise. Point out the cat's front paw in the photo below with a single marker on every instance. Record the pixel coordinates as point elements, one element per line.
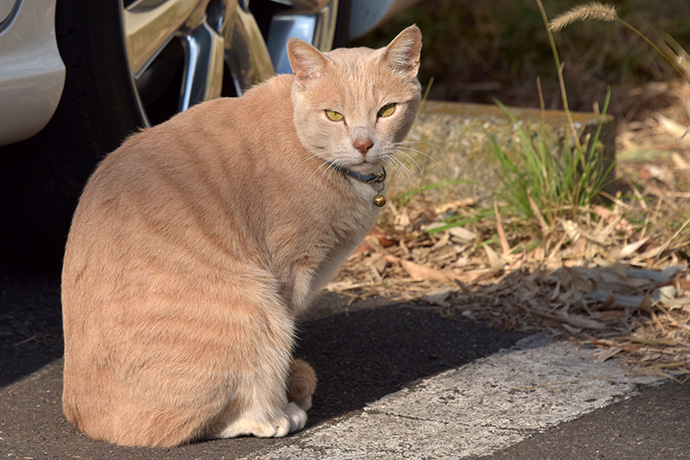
<point>297,416</point>
<point>292,419</point>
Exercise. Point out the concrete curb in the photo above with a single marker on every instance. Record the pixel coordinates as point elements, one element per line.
<point>456,138</point>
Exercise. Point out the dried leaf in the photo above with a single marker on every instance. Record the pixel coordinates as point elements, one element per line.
<point>402,221</point>
<point>603,355</point>
<point>679,162</point>
<point>505,247</point>
<point>631,248</point>
<point>439,297</point>
<point>495,263</point>
<point>671,126</point>
<point>538,214</point>
<point>420,272</point>
<point>572,320</point>
<point>462,234</point>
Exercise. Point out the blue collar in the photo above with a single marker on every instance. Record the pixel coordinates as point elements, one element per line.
<point>373,178</point>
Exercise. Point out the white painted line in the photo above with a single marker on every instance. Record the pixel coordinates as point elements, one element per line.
<point>473,410</point>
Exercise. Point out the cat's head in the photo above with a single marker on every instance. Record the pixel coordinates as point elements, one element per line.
<point>353,105</point>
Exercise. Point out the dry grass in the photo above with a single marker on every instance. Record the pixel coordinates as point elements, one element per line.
<point>617,276</point>
<point>592,11</point>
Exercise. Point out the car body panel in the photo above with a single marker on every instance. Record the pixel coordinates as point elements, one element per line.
<point>366,15</point>
<point>32,75</point>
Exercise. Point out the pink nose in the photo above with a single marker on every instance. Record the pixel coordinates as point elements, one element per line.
<point>363,145</point>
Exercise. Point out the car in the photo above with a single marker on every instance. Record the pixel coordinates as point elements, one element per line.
<point>78,76</point>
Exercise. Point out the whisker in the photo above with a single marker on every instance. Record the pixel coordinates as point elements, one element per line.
<point>405,145</point>
<point>424,154</point>
<point>411,158</point>
<point>403,167</point>
<point>392,165</point>
<point>421,171</point>
<point>417,142</point>
<point>411,182</point>
<point>326,173</point>
<point>317,169</point>
<point>334,167</point>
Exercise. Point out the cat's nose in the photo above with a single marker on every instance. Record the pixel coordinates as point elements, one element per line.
<point>363,145</point>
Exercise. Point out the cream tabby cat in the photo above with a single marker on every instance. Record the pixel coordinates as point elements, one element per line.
<point>196,243</point>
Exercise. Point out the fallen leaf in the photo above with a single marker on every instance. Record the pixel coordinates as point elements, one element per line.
<point>438,297</point>
<point>418,271</point>
<point>402,221</point>
<point>505,247</point>
<point>631,248</point>
<point>462,234</point>
<point>495,263</point>
<point>672,127</point>
<point>603,355</point>
<point>679,162</point>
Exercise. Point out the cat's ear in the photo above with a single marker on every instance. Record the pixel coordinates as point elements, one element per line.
<point>306,61</point>
<point>402,54</point>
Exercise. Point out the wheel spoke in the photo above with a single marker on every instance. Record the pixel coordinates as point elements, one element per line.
<point>203,73</point>
<point>246,54</point>
<point>148,25</point>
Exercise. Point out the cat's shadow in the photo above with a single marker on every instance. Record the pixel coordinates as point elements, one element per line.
<point>366,354</point>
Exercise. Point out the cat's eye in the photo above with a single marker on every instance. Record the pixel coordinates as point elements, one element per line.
<point>334,116</point>
<point>386,111</point>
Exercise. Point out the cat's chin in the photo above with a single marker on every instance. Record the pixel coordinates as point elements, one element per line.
<point>365,167</point>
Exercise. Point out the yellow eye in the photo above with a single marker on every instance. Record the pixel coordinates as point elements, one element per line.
<point>386,111</point>
<point>334,116</point>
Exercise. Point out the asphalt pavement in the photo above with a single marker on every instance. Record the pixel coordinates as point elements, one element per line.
<point>395,381</point>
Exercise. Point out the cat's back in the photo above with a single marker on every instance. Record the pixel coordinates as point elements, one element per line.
<point>212,147</point>
<point>220,127</point>
<point>173,189</point>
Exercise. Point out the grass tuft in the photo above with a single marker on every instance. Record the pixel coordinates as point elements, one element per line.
<point>545,179</point>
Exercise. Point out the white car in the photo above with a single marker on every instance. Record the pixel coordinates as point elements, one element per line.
<point>77,76</point>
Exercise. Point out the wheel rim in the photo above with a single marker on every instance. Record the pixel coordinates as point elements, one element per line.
<point>176,53</point>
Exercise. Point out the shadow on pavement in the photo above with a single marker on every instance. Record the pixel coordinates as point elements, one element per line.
<point>30,322</point>
<point>361,356</point>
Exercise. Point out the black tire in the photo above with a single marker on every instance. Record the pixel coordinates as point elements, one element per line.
<point>41,178</point>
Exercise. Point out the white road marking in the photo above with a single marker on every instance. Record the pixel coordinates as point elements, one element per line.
<point>475,409</point>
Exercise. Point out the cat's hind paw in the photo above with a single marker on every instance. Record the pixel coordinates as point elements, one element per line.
<point>301,384</point>
<point>292,419</point>
<point>304,404</point>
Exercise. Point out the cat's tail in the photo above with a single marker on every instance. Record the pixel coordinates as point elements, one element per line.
<point>301,383</point>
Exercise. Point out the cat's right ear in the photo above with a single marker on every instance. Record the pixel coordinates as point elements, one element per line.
<point>306,61</point>
<point>402,54</point>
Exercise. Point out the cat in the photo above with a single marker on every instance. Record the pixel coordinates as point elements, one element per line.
<point>196,243</point>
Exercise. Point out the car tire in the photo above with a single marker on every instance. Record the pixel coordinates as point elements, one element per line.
<point>41,178</point>
<point>103,102</point>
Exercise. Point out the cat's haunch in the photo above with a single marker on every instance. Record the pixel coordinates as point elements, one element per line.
<point>196,243</point>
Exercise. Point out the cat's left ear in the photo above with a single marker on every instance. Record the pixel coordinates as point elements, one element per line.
<point>402,54</point>
<point>306,61</point>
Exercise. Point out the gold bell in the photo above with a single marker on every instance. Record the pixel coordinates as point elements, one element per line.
<point>380,200</point>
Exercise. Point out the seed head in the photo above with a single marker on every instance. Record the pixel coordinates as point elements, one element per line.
<point>591,11</point>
